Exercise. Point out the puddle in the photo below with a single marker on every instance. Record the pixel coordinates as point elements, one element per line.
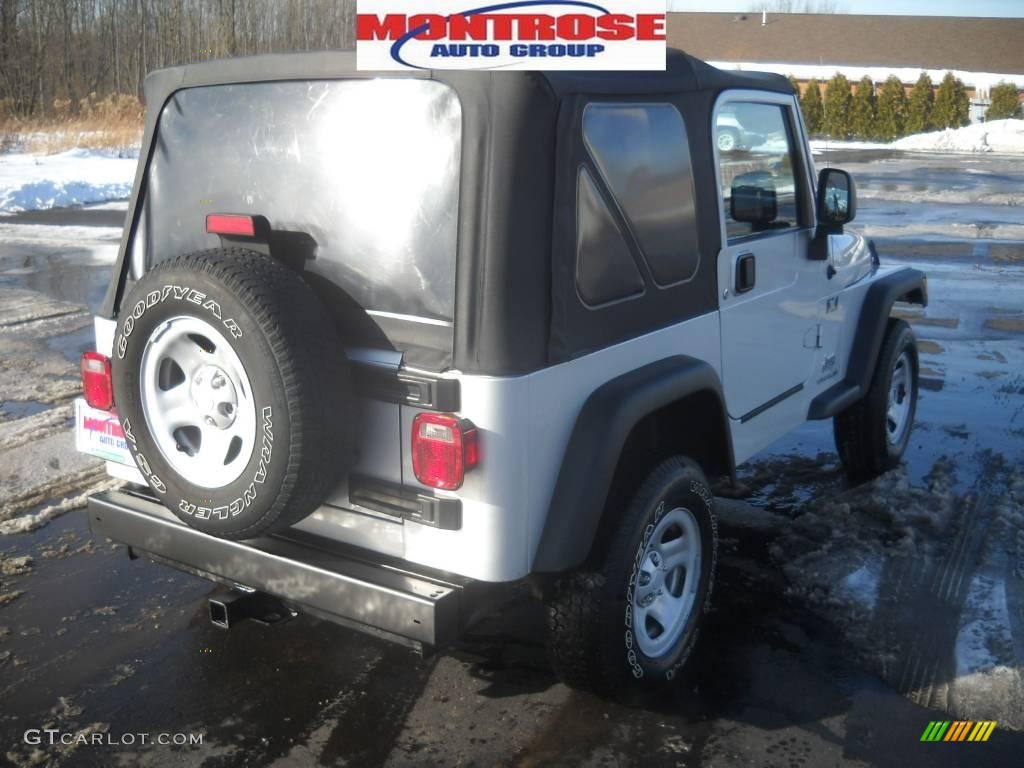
<point>73,345</point>
<point>60,277</point>
<point>19,409</point>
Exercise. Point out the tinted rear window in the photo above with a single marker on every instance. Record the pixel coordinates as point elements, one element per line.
<point>369,169</point>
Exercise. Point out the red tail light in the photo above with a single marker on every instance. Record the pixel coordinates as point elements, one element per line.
<point>444,448</point>
<point>231,224</point>
<point>97,382</point>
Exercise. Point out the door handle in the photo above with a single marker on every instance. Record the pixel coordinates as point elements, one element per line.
<point>746,272</point>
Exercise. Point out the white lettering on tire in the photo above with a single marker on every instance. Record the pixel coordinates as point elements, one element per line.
<point>140,460</point>
<point>638,670</point>
<point>709,502</point>
<point>249,494</point>
<point>176,293</point>
<point>631,657</point>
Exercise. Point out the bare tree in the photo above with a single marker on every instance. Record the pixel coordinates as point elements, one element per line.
<point>64,50</point>
<point>799,6</point>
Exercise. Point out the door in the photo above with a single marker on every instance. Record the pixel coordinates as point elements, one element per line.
<point>768,288</point>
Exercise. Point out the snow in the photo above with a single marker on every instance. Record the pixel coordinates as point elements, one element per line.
<point>981,81</point>
<point>988,683</point>
<point>31,522</point>
<point>999,136</point>
<point>861,586</point>
<point>988,627</point>
<point>77,177</point>
<point>827,145</point>
<point>1002,137</point>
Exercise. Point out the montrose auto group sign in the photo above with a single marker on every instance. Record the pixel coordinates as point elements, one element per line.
<point>525,34</point>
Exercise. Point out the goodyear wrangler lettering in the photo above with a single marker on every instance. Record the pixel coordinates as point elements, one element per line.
<point>175,293</point>
<point>249,493</point>
<point>520,34</point>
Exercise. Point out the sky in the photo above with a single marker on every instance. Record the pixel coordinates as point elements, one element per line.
<point>1005,8</point>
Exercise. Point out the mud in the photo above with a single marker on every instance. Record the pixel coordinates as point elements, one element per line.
<point>1008,324</point>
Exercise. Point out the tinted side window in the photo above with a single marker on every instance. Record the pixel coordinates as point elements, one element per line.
<point>642,153</point>
<point>755,152</point>
<point>605,270</point>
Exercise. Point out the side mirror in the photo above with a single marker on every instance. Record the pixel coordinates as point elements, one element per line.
<point>753,199</point>
<point>837,198</point>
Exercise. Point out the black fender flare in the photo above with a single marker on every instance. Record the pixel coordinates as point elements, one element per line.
<point>595,446</point>
<point>907,284</point>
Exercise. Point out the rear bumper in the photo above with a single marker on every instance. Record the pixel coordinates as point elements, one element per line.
<point>316,576</point>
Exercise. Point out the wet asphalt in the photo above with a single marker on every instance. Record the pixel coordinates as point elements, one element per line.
<point>99,642</point>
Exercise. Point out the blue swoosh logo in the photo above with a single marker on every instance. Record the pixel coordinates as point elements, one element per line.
<point>396,49</point>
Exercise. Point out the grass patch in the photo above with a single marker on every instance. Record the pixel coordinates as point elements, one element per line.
<point>114,122</point>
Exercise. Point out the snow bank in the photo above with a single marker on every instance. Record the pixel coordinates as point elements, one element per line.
<point>827,145</point>
<point>77,177</point>
<point>1004,137</point>
<point>1000,136</point>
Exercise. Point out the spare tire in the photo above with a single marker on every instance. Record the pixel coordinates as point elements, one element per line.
<point>233,390</point>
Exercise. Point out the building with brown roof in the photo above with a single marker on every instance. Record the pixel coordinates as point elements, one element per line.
<point>921,42</point>
<point>980,51</point>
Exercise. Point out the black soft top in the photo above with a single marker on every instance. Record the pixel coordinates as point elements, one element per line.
<point>682,73</point>
<point>511,126</point>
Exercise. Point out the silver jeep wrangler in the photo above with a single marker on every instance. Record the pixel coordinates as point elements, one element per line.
<point>374,344</point>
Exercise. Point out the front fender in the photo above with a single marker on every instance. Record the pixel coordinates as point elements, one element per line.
<point>910,285</point>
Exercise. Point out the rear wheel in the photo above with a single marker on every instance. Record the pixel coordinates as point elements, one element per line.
<point>872,435</point>
<point>233,391</point>
<point>629,622</point>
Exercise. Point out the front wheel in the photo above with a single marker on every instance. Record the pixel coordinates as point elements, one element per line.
<point>728,139</point>
<point>872,434</point>
<point>630,622</point>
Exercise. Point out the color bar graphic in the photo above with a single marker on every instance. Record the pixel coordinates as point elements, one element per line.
<point>958,730</point>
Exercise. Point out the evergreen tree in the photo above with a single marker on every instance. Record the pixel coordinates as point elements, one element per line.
<point>919,110</point>
<point>863,110</point>
<point>963,104</point>
<point>795,83</point>
<point>810,104</point>
<point>892,110</point>
<point>951,104</point>
<point>836,122</point>
<point>1005,102</point>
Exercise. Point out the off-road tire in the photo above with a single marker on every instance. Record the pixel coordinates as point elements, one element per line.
<point>299,380</point>
<point>590,635</point>
<point>860,431</point>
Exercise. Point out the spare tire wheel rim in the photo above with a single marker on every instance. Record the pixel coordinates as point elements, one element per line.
<point>666,587</point>
<point>197,402</point>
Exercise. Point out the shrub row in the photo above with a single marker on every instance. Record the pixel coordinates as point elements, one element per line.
<point>886,113</point>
